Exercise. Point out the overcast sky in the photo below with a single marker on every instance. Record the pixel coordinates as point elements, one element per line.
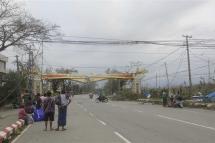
<point>128,20</point>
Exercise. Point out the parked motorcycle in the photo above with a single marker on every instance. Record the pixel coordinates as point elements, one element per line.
<point>91,96</point>
<point>177,103</point>
<point>102,99</point>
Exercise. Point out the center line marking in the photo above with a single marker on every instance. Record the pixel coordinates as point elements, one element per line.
<point>123,138</point>
<point>103,123</point>
<point>186,122</point>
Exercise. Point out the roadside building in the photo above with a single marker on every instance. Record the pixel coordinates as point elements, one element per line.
<point>3,71</point>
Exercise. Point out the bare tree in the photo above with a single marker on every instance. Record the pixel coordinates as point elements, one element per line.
<point>19,29</point>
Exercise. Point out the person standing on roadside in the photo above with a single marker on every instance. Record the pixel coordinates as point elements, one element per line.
<point>38,101</point>
<point>63,100</point>
<point>164,97</point>
<point>49,109</point>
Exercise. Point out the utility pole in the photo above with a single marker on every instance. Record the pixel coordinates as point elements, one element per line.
<point>42,70</point>
<point>156,80</point>
<point>188,61</point>
<point>159,79</point>
<point>18,73</point>
<point>30,71</point>
<point>209,73</point>
<point>167,77</point>
<point>17,63</point>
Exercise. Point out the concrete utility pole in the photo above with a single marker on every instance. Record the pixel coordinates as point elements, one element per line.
<point>18,73</point>
<point>167,77</point>
<point>30,71</point>
<point>188,61</point>
<point>17,63</point>
<point>209,72</point>
<point>156,80</point>
<point>42,70</point>
<point>159,80</point>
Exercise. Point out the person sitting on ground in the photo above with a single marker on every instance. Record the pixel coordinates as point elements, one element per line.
<point>29,106</point>
<point>49,109</point>
<point>22,114</point>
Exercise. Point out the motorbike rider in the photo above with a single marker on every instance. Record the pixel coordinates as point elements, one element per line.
<point>178,100</point>
<point>101,97</point>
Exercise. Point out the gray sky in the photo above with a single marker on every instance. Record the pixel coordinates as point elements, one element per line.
<point>128,20</point>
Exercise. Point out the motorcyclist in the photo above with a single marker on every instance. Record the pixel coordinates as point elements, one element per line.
<point>101,97</point>
<point>178,101</point>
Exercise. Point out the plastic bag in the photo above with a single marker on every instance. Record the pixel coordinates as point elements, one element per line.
<point>38,115</point>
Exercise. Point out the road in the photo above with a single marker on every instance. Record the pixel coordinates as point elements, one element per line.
<point>127,122</point>
<point>7,117</point>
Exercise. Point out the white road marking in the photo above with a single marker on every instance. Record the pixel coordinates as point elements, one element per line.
<point>103,123</point>
<point>138,111</point>
<point>123,138</point>
<point>186,122</point>
<point>190,111</point>
<point>85,109</point>
<point>17,138</point>
<point>91,114</point>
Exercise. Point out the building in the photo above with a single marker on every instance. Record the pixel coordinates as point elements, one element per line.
<point>3,61</point>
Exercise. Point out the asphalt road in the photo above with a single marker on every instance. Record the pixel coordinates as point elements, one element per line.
<point>8,117</point>
<point>127,122</point>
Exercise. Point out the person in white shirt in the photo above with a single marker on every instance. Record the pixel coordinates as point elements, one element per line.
<point>63,100</point>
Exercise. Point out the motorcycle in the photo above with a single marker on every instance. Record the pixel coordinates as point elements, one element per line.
<point>102,99</point>
<point>176,104</point>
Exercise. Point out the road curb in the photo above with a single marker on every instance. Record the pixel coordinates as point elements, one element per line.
<point>11,131</point>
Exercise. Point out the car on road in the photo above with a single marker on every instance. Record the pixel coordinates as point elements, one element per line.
<point>198,98</point>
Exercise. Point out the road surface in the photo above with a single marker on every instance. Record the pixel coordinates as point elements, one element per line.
<point>8,117</point>
<point>127,122</point>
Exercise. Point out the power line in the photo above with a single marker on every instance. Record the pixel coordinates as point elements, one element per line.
<point>180,57</point>
<point>179,66</point>
<point>159,60</point>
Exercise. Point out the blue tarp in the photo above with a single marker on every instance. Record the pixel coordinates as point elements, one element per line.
<point>211,96</point>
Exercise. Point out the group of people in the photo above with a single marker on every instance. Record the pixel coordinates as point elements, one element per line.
<point>172,100</point>
<point>46,104</point>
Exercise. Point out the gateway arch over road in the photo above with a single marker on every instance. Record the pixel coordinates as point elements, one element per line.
<point>135,77</point>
